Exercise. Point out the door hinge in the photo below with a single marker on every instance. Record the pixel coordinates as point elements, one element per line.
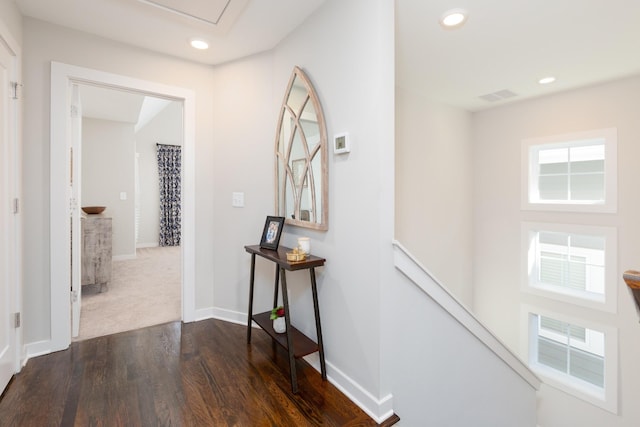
<point>14,87</point>
<point>16,205</point>
<point>74,296</point>
<point>16,320</point>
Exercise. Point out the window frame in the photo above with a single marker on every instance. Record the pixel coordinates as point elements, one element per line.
<point>529,284</point>
<point>606,397</point>
<point>576,139</point>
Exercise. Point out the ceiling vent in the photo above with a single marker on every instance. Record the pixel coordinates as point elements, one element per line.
<point>498,96</point>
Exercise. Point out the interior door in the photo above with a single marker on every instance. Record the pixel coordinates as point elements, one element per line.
<point>75,201</point>
<point>7,225</point>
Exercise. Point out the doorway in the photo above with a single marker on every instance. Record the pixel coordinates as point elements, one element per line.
<point>10,242</point>
<point>63,78</point>
<point>121,132</point>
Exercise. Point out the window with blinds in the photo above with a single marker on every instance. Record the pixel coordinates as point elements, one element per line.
<point>572,172</point>
<point>571,350</point>
<point>577,358</point>
<point>571,263</point>
<point>552,325</point>
<point>569,174</point>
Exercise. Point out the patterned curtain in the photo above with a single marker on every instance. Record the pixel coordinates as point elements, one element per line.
<point>169,164</point>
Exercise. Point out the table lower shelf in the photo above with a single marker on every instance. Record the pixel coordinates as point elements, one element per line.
<point>302,345</point>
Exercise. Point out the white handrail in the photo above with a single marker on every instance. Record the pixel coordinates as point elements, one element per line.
<point>421,277</point>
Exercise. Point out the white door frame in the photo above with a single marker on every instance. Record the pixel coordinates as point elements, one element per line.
<point>62,78</point>
<point>13,173</point>
<point>75,123</point>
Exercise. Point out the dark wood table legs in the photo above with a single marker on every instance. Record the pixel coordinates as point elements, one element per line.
<point>316,309</point>
<point>294,341</point>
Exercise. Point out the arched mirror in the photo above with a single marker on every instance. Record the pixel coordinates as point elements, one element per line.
<point>301,156</point>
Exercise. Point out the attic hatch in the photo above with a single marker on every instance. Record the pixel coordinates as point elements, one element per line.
<point>498,96</point>
<point>221,14</point>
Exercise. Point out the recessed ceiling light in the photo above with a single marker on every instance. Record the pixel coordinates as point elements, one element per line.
<point>453,18</point>
<point>547,80</point>
<point>199,44</point>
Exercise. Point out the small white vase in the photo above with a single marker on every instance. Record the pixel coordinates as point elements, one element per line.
<point>279,325</point>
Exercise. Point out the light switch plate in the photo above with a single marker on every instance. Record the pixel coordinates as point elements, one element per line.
<point>123,195</point>
<point>237,200</point>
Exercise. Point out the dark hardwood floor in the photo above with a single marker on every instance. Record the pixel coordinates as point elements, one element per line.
<point>197,374</point>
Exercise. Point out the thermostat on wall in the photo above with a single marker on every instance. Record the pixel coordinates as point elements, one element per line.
<point>341,143</point>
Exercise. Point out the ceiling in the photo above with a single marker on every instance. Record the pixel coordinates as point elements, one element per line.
<point>110,104</point>
<point>505,44</point>
<point>233,28</point>
<point>117,105</point>
<point>511,44</point>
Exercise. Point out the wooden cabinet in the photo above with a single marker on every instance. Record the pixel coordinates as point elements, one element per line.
<point>96,251</point>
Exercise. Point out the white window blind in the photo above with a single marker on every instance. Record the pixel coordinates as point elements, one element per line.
<point>571,350</point>
<point>575,355</point>
<point>572,172</point>
<point>571,263</point>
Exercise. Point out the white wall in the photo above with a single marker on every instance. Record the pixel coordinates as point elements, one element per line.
<point>358,243</point>
<point>165,128</point>
<point>43,43</point>
<point>433,205</point>
<point>360,101</point>
<point>108,150</point>
<point>497,299</point>
<point>11,19</point>
<point>442,373</point>
<point>236,115</point>
<point>244,122</point>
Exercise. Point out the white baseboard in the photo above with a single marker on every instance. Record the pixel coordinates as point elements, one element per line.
<point>146,245</point>
<point>230,316</point>
<point>378,409</point>
<point>221,314</point>
<point>35,349</point>
<point>123,257</point>
<point>203,314</point>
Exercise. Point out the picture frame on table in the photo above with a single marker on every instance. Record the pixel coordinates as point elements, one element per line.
<point>271,233</point>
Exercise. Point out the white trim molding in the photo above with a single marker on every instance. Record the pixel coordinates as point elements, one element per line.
<point>419,275</point>
<point>378,409</point>
<point>609,300</point>
<point>607,398</point>
<point>223,314</point>
<point>62,76</point>
<point>530,200</point>
<point>12,166</point>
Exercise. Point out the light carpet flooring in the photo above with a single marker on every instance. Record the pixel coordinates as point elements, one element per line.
<point>144,291</point>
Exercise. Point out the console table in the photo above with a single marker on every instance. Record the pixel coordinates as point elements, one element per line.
<point>295,342</point>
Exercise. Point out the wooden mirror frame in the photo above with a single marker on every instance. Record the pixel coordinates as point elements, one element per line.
<point>301,179</point>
